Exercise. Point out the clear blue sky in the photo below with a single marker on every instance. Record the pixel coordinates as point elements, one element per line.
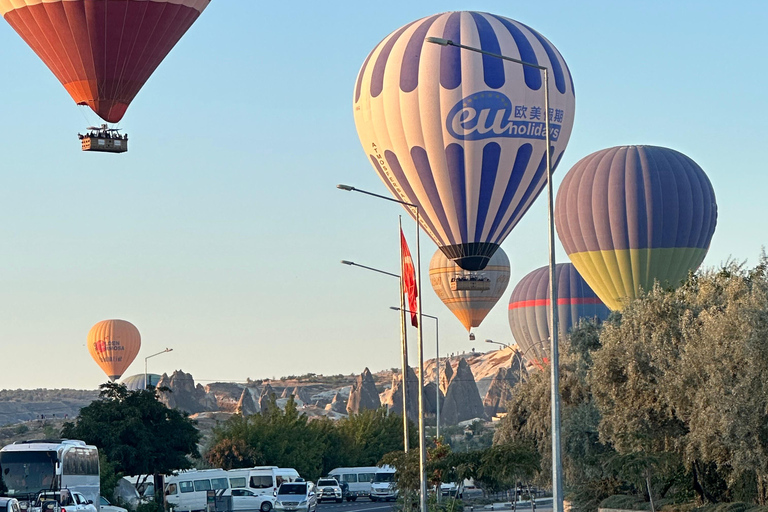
<point>220,233</point>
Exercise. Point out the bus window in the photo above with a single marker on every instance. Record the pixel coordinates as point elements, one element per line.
<point>350,478</point>
<point>218,483</point>
<point>278,481</point>
<point>261,482</point>
<point>365,477</point>
<point>186,487</point>
<point>237,482</point>
<point>202,485</point>
<point>171,489</point>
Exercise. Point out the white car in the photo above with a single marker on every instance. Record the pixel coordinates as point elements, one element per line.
<point>245,500</point>
<point>296,497</point>
<point>106,506</point>
<point>64,500</point>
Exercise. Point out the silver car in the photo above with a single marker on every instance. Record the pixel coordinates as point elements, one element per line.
<point>295,497</point>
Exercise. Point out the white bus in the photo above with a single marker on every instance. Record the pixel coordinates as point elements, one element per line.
<point>187,491</point>
<point>29,467</point>
<point>359,480</point>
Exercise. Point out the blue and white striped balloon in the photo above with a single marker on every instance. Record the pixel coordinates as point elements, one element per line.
<point>461,134</point>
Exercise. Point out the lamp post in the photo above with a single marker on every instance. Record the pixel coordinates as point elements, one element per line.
<point>557,464</point>
<point>497,343</point>
<point>145,364</point>
<point>420,343</point>
<point>437,369</point>
<point>403,345</point>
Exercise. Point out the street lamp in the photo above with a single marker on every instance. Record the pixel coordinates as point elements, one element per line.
<point>437,368</point>
<point>403,346</point>
<point>497,343</point>
<point>557,464</point>
<point>145,364</point>
<point>420,343</point>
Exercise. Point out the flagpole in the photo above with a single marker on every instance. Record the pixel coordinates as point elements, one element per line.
<point>420,343</point>
<point>403,340</point>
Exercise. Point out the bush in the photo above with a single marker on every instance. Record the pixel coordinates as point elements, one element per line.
<point>624,502</point>
<point>150,506</point>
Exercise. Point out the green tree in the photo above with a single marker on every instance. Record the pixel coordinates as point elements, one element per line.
<point>136,433</point>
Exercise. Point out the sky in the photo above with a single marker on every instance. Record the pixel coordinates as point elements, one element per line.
<point>220,233</point>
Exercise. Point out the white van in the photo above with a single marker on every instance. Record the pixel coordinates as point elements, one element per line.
<point>266,479</point>
<point>359,480</point>
<point>383,487</point>
<point>187,491</point>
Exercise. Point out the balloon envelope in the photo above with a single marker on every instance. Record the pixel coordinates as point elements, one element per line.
<point>459,134</point>
<point>114,344</point>
<point>469,295</point>
<point>102,51</point>
<point>631,215</point>
<point>135,382</point>
<point>529,308</point>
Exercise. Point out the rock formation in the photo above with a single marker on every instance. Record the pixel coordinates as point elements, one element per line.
<point>247,404</point>
<point>287,392</point>
<point>363,395</point>
<point>337,404</point>
<point>184,394</point>
<point>266,395</point>
<point>462,401</point>
<point>302,394</point>
<point>446,376</point>
<point>502,388</point>
<point>430,399</point>
<point>393,397</point>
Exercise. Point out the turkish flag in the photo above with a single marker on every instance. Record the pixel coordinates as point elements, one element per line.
<point>409,279</point>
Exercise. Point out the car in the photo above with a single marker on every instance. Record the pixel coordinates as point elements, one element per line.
<point>246,500</point>
<point>329,489</point>
<point>106,506</point>
<point>9,505</point>
<point>296,497</point>
<point>65,500</point>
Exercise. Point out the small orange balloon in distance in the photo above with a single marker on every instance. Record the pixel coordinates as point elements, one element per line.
<point>114,344</point>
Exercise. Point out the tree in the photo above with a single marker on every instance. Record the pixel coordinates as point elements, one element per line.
<point>136,432</point>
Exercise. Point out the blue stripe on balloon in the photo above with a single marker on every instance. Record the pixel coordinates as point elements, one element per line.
<point>493,67</point>
<point>522,158</point>
<point>450,56</point>
<point>488,172</point>
<point>554,65</point>
<point>377,79</point>
<point>359,86</point>
<point>534,189</point>
<point>527,54</point>
<point>424,170</point>
<point>454,156</point>
<point>410,195</point>
<point>409,69</point>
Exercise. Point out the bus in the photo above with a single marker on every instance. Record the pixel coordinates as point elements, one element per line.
<point>359,480</point>
<point>187,490</point>
<point>29,467</point>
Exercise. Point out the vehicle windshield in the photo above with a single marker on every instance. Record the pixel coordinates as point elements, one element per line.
<point>300,489</point>
<point>27,472</point>
<point>384,477</point>
<point>327,482</point>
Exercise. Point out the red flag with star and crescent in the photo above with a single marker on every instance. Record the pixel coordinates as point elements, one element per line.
<point>409,279</point>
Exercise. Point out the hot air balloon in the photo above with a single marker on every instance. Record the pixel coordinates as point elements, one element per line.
<point>113,344</point>
<point>135,382</point>
<point>529,308</point>
<point>631,215</point>
<point>459,134</point>
<point>102,51</point>
<point>469,295</point>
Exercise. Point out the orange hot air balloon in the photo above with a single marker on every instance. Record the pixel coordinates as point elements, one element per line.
<point>114,344</point>
<point>102,51</point>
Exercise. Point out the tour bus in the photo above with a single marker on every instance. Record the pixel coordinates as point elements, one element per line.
<point>187,491</point>
<point>359,480</point>
<point>29,467</point>
<point>383,487</point>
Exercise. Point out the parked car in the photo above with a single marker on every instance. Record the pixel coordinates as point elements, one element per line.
<point>246,500</point>
<point>106,506</point>
<point>9,505</point>
<point>329,489</point>
<point>66,500</point>
<point>296,497</point>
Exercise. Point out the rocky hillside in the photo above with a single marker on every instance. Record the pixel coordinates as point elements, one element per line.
<point>317,395</point>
